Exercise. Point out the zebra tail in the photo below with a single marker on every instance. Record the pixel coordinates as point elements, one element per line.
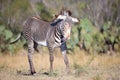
<point>14,41</point>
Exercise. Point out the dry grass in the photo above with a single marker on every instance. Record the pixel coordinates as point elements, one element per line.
<point>87,67</point>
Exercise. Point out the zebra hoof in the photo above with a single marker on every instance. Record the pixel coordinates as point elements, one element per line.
<point>33,73</point>
<point>68,71</point>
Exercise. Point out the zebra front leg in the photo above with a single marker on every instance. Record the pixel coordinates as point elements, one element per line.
<point>30,56</point>
<point>51,62</point>
<point>63,49</point>
<point>51,58</point>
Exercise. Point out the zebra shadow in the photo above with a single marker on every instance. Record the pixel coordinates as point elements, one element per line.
<point>23,73</point>
<point>27,73</point>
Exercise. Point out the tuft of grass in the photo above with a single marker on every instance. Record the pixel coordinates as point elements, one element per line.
<point>54,74</point>
<point>3,66</point>
<point>79,69</point>
<point>82,69</point>
<point>97,77</point>
<point>76,66</point>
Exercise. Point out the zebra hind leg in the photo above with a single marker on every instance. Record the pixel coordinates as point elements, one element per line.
<point>30,56</point>
<point>35,46</point>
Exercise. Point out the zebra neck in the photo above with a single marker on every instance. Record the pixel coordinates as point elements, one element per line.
<point>58,36</point>
<point>56,22</point>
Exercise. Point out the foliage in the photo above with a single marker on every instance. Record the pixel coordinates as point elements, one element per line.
<point>14,12</point>
<point>44,14</point>
<point>93,40</point>
<point>5,36</point>
<point>98,31</point>
<point>88,36</point>
<point>73,40</point>
<point>111,35</point>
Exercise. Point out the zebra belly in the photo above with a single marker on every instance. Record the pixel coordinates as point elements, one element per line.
<point>43,43</point>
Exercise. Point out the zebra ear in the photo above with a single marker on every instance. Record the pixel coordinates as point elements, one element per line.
<point>61,17</point>
<point>75,20</point>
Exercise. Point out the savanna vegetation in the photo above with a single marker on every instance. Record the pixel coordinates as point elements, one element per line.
<point>98,31</point>
<point>97,34</point>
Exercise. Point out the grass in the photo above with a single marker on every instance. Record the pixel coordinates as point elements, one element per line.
<point>98,77</point>
<point>85,67</point>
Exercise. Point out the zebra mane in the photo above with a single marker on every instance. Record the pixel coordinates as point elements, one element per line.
<point>54,23</point>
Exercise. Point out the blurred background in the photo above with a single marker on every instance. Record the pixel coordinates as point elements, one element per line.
<point>98,31</point>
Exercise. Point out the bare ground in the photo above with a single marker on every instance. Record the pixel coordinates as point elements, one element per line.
<point>83,67</point>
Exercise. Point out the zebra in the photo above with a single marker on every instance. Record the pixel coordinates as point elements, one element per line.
<point>51,34</point>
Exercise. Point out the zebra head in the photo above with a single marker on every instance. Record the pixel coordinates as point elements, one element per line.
<point>66,23</point>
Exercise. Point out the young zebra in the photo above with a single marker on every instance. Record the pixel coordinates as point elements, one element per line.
<point>50,34</point>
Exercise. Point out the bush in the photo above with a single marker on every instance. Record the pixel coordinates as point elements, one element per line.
<point>5,36</point>
<point>94,40</point>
